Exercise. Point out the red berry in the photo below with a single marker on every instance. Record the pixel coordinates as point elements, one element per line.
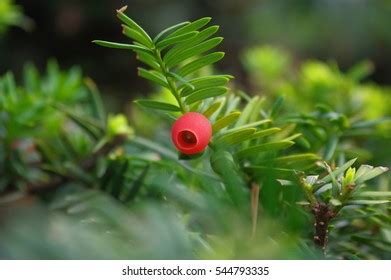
<point>191,133</point>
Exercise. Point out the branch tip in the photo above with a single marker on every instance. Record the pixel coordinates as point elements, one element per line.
<point>123,9</point>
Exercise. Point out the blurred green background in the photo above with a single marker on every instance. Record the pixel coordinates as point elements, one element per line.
<point>296,34</point>
<point>343,30</point>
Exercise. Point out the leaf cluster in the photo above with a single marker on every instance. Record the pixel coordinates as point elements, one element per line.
<point>172,58</point>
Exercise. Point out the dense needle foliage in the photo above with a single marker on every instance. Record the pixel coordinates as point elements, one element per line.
<point>286,174</point>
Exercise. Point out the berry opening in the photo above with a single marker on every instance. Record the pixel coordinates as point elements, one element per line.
<point>187,139</point>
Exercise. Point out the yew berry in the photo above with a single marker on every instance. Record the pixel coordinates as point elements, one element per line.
<point>191,133</point>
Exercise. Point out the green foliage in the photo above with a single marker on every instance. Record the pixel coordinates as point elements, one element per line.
<point>337,119</point>
<point>109,187</point>
<point>174,56</point>
<point>242,128</point>
<point>11,15</point>
<point>338,112</point>
<point>317,83</point>
<point>50,126</point>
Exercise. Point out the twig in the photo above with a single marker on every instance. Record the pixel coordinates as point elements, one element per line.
<point>323,215</point>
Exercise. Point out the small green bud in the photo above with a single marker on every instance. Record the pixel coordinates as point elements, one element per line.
<point>118,125</point>
<point>349,177</point>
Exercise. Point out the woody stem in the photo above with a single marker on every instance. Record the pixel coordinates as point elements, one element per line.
<point>323,215</point>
